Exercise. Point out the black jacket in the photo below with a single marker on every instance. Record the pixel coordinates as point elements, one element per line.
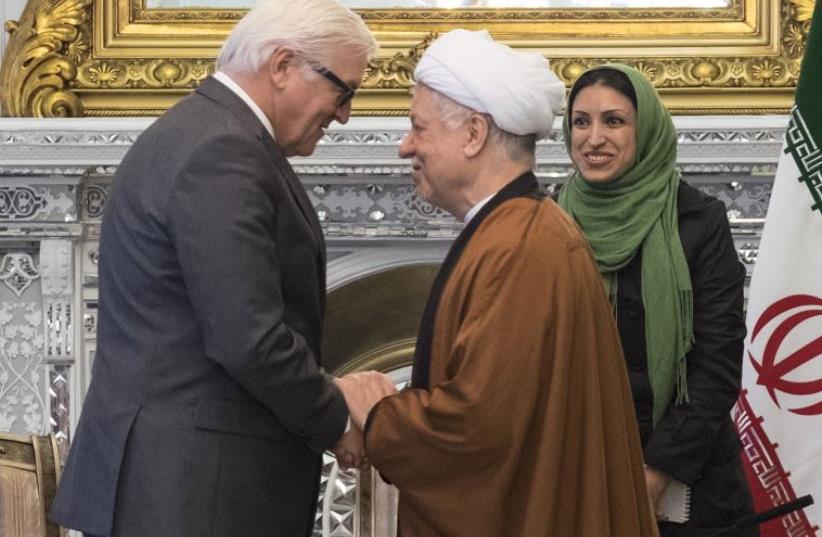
<point>696,442</point>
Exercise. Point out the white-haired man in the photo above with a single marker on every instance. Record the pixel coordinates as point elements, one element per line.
<point>519,418</point>
<point>208,412</point>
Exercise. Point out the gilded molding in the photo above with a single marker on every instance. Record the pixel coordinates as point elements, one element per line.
<point>538,15</point>
<point>802,9</point>
<point>40,65</point>
<point>143,74</point>
<point>139,12</point>
<point>397,71</point>
<point>53,66</point>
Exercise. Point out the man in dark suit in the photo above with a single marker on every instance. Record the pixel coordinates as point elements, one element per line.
<point>208,412</point>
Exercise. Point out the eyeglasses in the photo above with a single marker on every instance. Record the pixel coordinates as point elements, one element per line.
<point>347,91</point>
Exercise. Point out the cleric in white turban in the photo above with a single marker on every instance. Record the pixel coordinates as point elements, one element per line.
<point>517,89</point>
<point>519,419</point>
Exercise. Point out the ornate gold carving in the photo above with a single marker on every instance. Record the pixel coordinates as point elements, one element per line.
<point>396,72</point>
<point>665,73</point>
<point>144,74</point>
<point>802,9</point>
<point>696,72</point>
<point>60,63</point>
<point>41,60</point>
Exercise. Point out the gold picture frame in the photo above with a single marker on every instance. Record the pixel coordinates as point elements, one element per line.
<point>120,58</point>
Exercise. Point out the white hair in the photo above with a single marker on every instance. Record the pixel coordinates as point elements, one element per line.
<point>314,29</point>
<point>453,114</point>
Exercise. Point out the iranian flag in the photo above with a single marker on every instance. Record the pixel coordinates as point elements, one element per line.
<point>779,412</point>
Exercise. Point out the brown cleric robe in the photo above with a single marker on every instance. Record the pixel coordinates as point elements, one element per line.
<point>519,421</point>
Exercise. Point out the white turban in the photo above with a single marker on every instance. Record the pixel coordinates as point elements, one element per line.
<point>517,89</point>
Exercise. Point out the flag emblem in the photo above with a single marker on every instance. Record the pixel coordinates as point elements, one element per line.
<point>781,318</point>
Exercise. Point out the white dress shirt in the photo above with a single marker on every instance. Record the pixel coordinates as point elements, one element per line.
<point>233,86</point>
<point>476,208</point>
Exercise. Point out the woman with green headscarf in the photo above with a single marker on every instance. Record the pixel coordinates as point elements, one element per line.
<point>670,268</point>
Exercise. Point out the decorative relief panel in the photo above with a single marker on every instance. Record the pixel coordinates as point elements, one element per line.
<point>744,201</point>
<point>23,374</point>
<point>22,203</point>
<point>60,403</point>
<point>366,146</point>
<point>360,187</point>
<point>94,200</point>
<point>17,272</point>
<point>59,148</point>
<point>375,209</point>
<point>58,290</point>
<point>391,207</point>
<point>34,393</point>
<point>56,267</point>
<point>64,144</point>
<point>337,506</point>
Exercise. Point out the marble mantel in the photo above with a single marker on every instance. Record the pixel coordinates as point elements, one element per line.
<point>359,185</point>
<point>366,145</point>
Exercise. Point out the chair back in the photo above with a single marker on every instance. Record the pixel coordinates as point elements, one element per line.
<point>29,472</point>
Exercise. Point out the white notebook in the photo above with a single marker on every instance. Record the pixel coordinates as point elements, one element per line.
<point>676,502</point>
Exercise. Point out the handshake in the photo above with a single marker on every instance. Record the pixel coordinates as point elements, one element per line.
<point>361,391</point>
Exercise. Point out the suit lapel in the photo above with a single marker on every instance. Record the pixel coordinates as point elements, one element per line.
<point>298,192</point>
<point>295,186</point>
<point>217,91</point>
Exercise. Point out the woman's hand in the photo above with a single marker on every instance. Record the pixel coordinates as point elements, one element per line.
<point>656,483</point>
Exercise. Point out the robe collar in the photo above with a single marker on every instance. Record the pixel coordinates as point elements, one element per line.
<point>523,186</point>
<point>476,208</point>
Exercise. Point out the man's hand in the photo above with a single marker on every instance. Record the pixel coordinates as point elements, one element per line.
<point>349,451</point>
<point>656,482</point>
<point>362,391</point>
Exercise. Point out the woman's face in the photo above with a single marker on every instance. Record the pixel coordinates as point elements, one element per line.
<point>603,133</point>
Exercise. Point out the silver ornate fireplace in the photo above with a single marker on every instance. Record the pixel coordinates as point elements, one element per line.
<point>384,245</point>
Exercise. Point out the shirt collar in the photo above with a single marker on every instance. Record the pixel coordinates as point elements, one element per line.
<point>476,208</point>
<point>233,86</point>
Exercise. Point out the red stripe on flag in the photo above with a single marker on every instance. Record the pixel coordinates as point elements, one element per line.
<point>768,480</point>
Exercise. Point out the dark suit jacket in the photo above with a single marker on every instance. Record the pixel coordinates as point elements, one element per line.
<point>207,412</point>
<point>696,442</point>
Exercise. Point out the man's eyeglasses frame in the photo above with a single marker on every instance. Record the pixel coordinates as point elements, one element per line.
<point>347,91</point>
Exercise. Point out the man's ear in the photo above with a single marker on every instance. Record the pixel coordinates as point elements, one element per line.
<point>281,65</point>
<point>478,129</point>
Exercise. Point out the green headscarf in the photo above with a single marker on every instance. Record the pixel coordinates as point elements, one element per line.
<point>639,210</point>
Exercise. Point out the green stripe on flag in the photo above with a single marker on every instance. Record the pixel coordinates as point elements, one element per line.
<point>809,87</point>
<point>804,135</point>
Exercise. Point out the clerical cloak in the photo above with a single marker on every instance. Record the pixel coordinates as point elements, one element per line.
<point>519,421</point>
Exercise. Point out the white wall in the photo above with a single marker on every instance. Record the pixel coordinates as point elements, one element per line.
<point>9,9</point>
